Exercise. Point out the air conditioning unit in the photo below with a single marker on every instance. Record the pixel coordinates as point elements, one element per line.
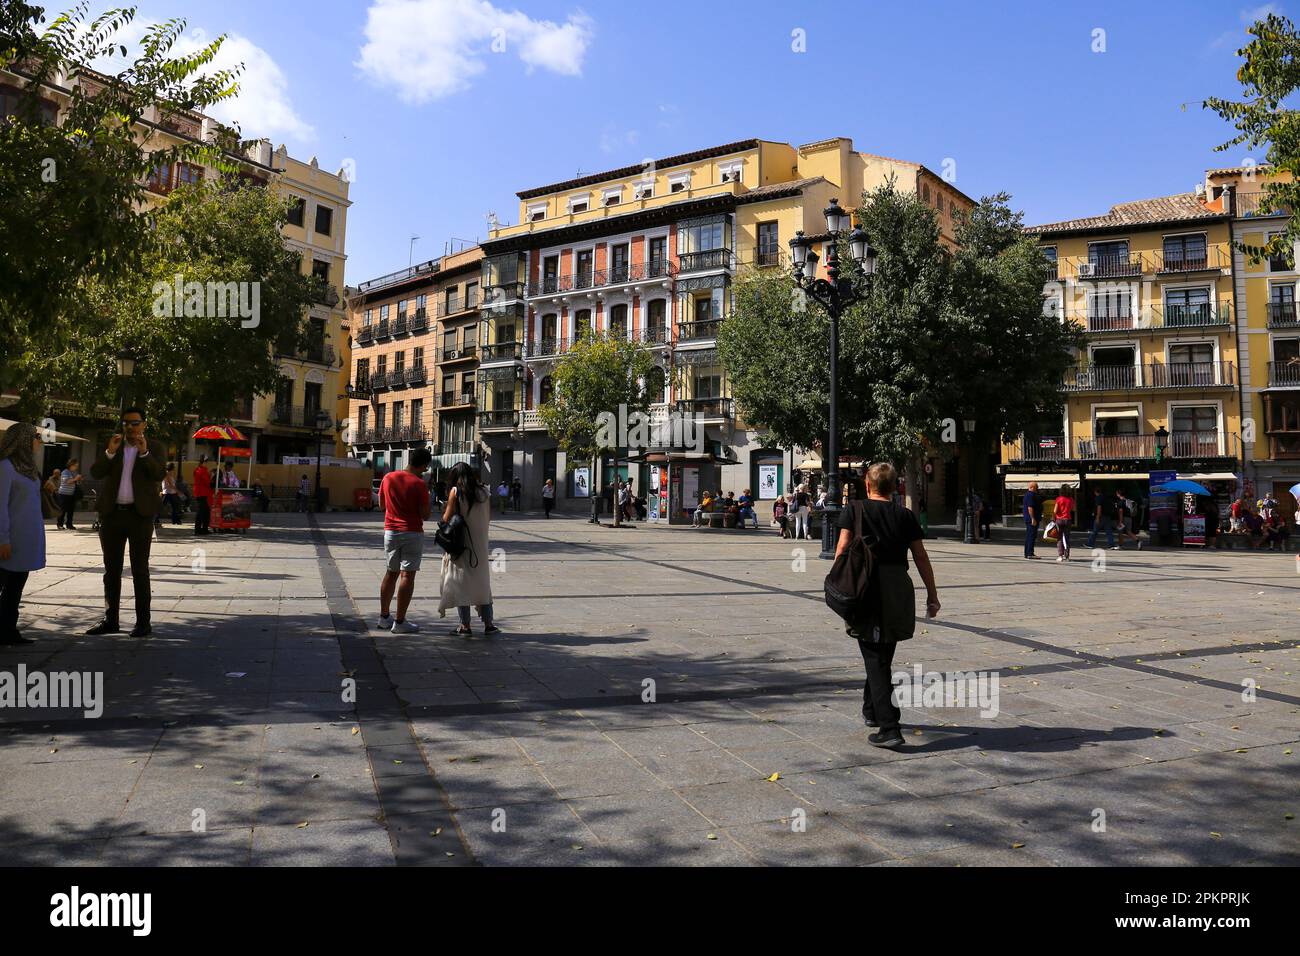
<point>453,356</point>
<point>1087,269</point>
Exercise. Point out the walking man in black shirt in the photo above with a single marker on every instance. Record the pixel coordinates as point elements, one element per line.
<point>896,532</point>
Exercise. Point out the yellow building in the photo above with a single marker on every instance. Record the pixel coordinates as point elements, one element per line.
<point>651,252</point>
<point>1156,385</point>
<point>1268,337</point>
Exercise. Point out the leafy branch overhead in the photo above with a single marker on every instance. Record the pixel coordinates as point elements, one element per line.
<point>1269,75</point>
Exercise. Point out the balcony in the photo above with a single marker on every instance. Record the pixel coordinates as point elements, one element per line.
<point>416,375</point>
<point>1191,375</point>
<point>397,378</point>
<point>399,325</point>
<point>382,330</point>
<point>318,353</point>
<point>1159,316</point>
<point>1215,258</point>
<point>1109,267</point>
<point>700,261</point>
<point>419,321</point>
<point>533,420</point>
<point>1282,315</point>
<point>457,400</point>
<point>767,258</point>
<point>704,329</point>
<point>723,409</point>
<point>295,416</point>
<point>466,352</point>
<point>1207,444</point>
<point>1252,205</point>
<point>651,335</point>
<point>549,345</point>
<point>603,278</point>
<point>495,296</point>
<point>498,420</point>
<point>456,448</point>
<point>365,335</point>
<point>457,306</point>
<point>503,352</point>
<point>1284,374</point>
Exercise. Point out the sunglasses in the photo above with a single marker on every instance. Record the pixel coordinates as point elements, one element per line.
<point>133,421</point>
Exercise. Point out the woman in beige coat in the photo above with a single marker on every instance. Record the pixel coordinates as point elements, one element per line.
<point>467,580</point>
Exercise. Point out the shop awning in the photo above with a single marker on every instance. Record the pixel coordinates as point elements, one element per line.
<point>1119,476</point>
<point>1208,475</point>
<point>811,463</point>
<point>1021,482</point>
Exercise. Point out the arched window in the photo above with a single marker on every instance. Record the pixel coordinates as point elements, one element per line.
<point>549,334</point>
<point>618,321</point>
<point>657,320</point>
<point>546,391</point>
<point>581,322</point>
<point>655,383</point>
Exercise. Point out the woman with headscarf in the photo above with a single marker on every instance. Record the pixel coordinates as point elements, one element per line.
<point>22,529</point>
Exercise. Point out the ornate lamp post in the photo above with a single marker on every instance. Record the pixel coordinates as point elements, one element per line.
<point>835,294</point>
<point>1162,443</point>
<point>324,422</point>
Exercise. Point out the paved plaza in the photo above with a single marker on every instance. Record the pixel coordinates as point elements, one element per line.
<point>658,696</point>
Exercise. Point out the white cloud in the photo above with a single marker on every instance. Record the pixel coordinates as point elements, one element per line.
<point>612,140</point>
<point>431,49</point>
<point>1239,38</point>
<point>262,106</point>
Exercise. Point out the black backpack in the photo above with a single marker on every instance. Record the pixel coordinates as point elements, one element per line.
<point>453,537</point>
<point>849,583</point>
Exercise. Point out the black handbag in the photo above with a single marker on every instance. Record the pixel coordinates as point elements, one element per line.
<point>453,537</point>
<point>849,583</point>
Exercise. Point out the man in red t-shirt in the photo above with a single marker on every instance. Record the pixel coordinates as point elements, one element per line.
<point>404,496</point>
<point>202,496</point>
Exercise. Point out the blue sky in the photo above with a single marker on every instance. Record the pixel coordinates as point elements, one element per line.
<point>445,108</point>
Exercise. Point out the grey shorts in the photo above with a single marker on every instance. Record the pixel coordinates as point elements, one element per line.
<point>404,550</point>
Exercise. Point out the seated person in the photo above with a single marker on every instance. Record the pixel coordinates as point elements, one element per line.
<point>746,504</point>
<point>1254,528</point>
<point>1275,532</point>
<point>705,508</point>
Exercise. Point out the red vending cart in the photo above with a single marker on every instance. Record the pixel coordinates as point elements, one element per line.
<point>232,508</point>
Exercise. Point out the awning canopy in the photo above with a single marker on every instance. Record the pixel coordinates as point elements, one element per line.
<point>1207,475</point>
<point>1021,482</point>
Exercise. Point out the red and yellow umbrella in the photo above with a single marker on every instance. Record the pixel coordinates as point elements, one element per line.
<point>219,433</point>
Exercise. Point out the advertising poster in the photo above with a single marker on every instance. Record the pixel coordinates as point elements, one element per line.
<point>652,503</point>
<point>767,489</point>
<point>1194,530</point>
<point>582,482</point>
<point>1159,502</point>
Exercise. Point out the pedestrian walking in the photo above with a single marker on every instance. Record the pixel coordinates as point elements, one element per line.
<point>202,497</point>
<point>976,512</point>
<point>1103,519</point>
<point>985,513</point>
<point>503,495</point>
<point>779,517</point>
<point>1063,516</point>
<point>1032,512</point>
<point>171,494</point>
<point>800,511</point>
<point>548,496</point>
<point>69,482</point>
<point>516,494</point>
<point>304,493</point>
<point>22,527</point>
<point>1124,521</point>
<point>467,581</point>
<point>128,501</point>
<point>896,532</point>
<point>405,498</point>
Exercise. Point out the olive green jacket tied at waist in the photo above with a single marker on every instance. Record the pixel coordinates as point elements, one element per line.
<point>894,603</point>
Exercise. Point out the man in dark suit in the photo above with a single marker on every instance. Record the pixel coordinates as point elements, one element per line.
<point>128,501</point>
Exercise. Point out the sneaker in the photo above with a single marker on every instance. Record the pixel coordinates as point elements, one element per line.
<point>1059,560</point>
<point>405,627</point>
<point>1139,544</point>
<point>891,738</point>
<point>491,629</point>
<point>1115,547</point>
<point>385,623</point>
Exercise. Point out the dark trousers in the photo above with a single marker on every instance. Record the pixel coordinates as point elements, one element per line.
<point>878,690</point>
<point>202,515</point>
<point>11,593</point>
<point>548,504</point>
<point>68,507</point>
<point>1031,533</point>
<point>117,528</point>
<point>174,502</point>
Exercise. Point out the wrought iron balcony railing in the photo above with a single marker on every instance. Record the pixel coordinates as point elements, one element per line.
<point>495,296</point>
<point>703,329</point>
<point>709,259</point>
<point>1160,316</point>
<point>499,418</point>
<point>382,330</point>
<point>415,375</point>
<point>365,335</point>
<point>1210,259</point>
<point>652,334</point>
<point>467,351</point>
<point>1180,444</point>
<point>1282,315</point>
<point>1095,378</point>
<point>707,407</point>
<point>1285,374</point>
<point>419,320</point>
<point>503,352</point>
<point>1109,267</point>
<point>1252,204</point>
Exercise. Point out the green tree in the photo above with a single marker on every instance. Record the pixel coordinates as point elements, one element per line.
<point>592,380</point>
<point>72,193</point>
<point>200,353</point>
<point>1269,75</point>
<point>943,336</point>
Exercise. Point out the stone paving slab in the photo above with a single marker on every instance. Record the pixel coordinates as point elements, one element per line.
<point>1120,690</point>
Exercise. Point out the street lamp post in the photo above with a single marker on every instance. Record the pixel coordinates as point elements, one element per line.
<point>968,536</point>
<point>125,369</point>
<point>323,423</point>
<point>835,294</point>
<point>1162,443</point>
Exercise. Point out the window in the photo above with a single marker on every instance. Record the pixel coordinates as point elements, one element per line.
<point>448,342</point>
<point>420,301</point>
<point>1282,261</point>
<point>160,178</point>
<point>1049,253</point>
<point>1281,303</point>
<point>397,414</point>
<point>706,386</point>
<point>658,253</point>
<point>401,307</point>
<point>701,238</point>
<point>321,270</point>
<point>1195,418</point>
<point>381,367</point>
<point>537,212</point>
<point>383,313</point>
<point>187,174</point>
<point>369,316</point>
<point>613,196</point>
<point>769,245</point>
<point>618,259</point>
<point>578,204</point>
<point>551,274</point>
<point>417,412</point>
<point>678,186</point>
<point>925,193</point>
<point>1187,306</point>
<point>545,391</point>
<point>399,361</point>
<point>451,301</point>
<point>381,414</point>
<point>548,333</point>
<point>644,190</point>
<point>1185,253</point>
<point>471,294</point>
<point>297,210</point>
<point>584,259</point>
<point>324,219</point>
<point>730,172</point>
<point>656,318</point>
<point>618,321</point>
<point>1110,309</point>
<point>363,419</point>
<point>417,357</point>
<point>581,322</point>
<point>311,402</point>
<point>1191,364</point>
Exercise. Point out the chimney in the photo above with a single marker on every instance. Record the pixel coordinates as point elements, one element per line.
<point>1230,199</point>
